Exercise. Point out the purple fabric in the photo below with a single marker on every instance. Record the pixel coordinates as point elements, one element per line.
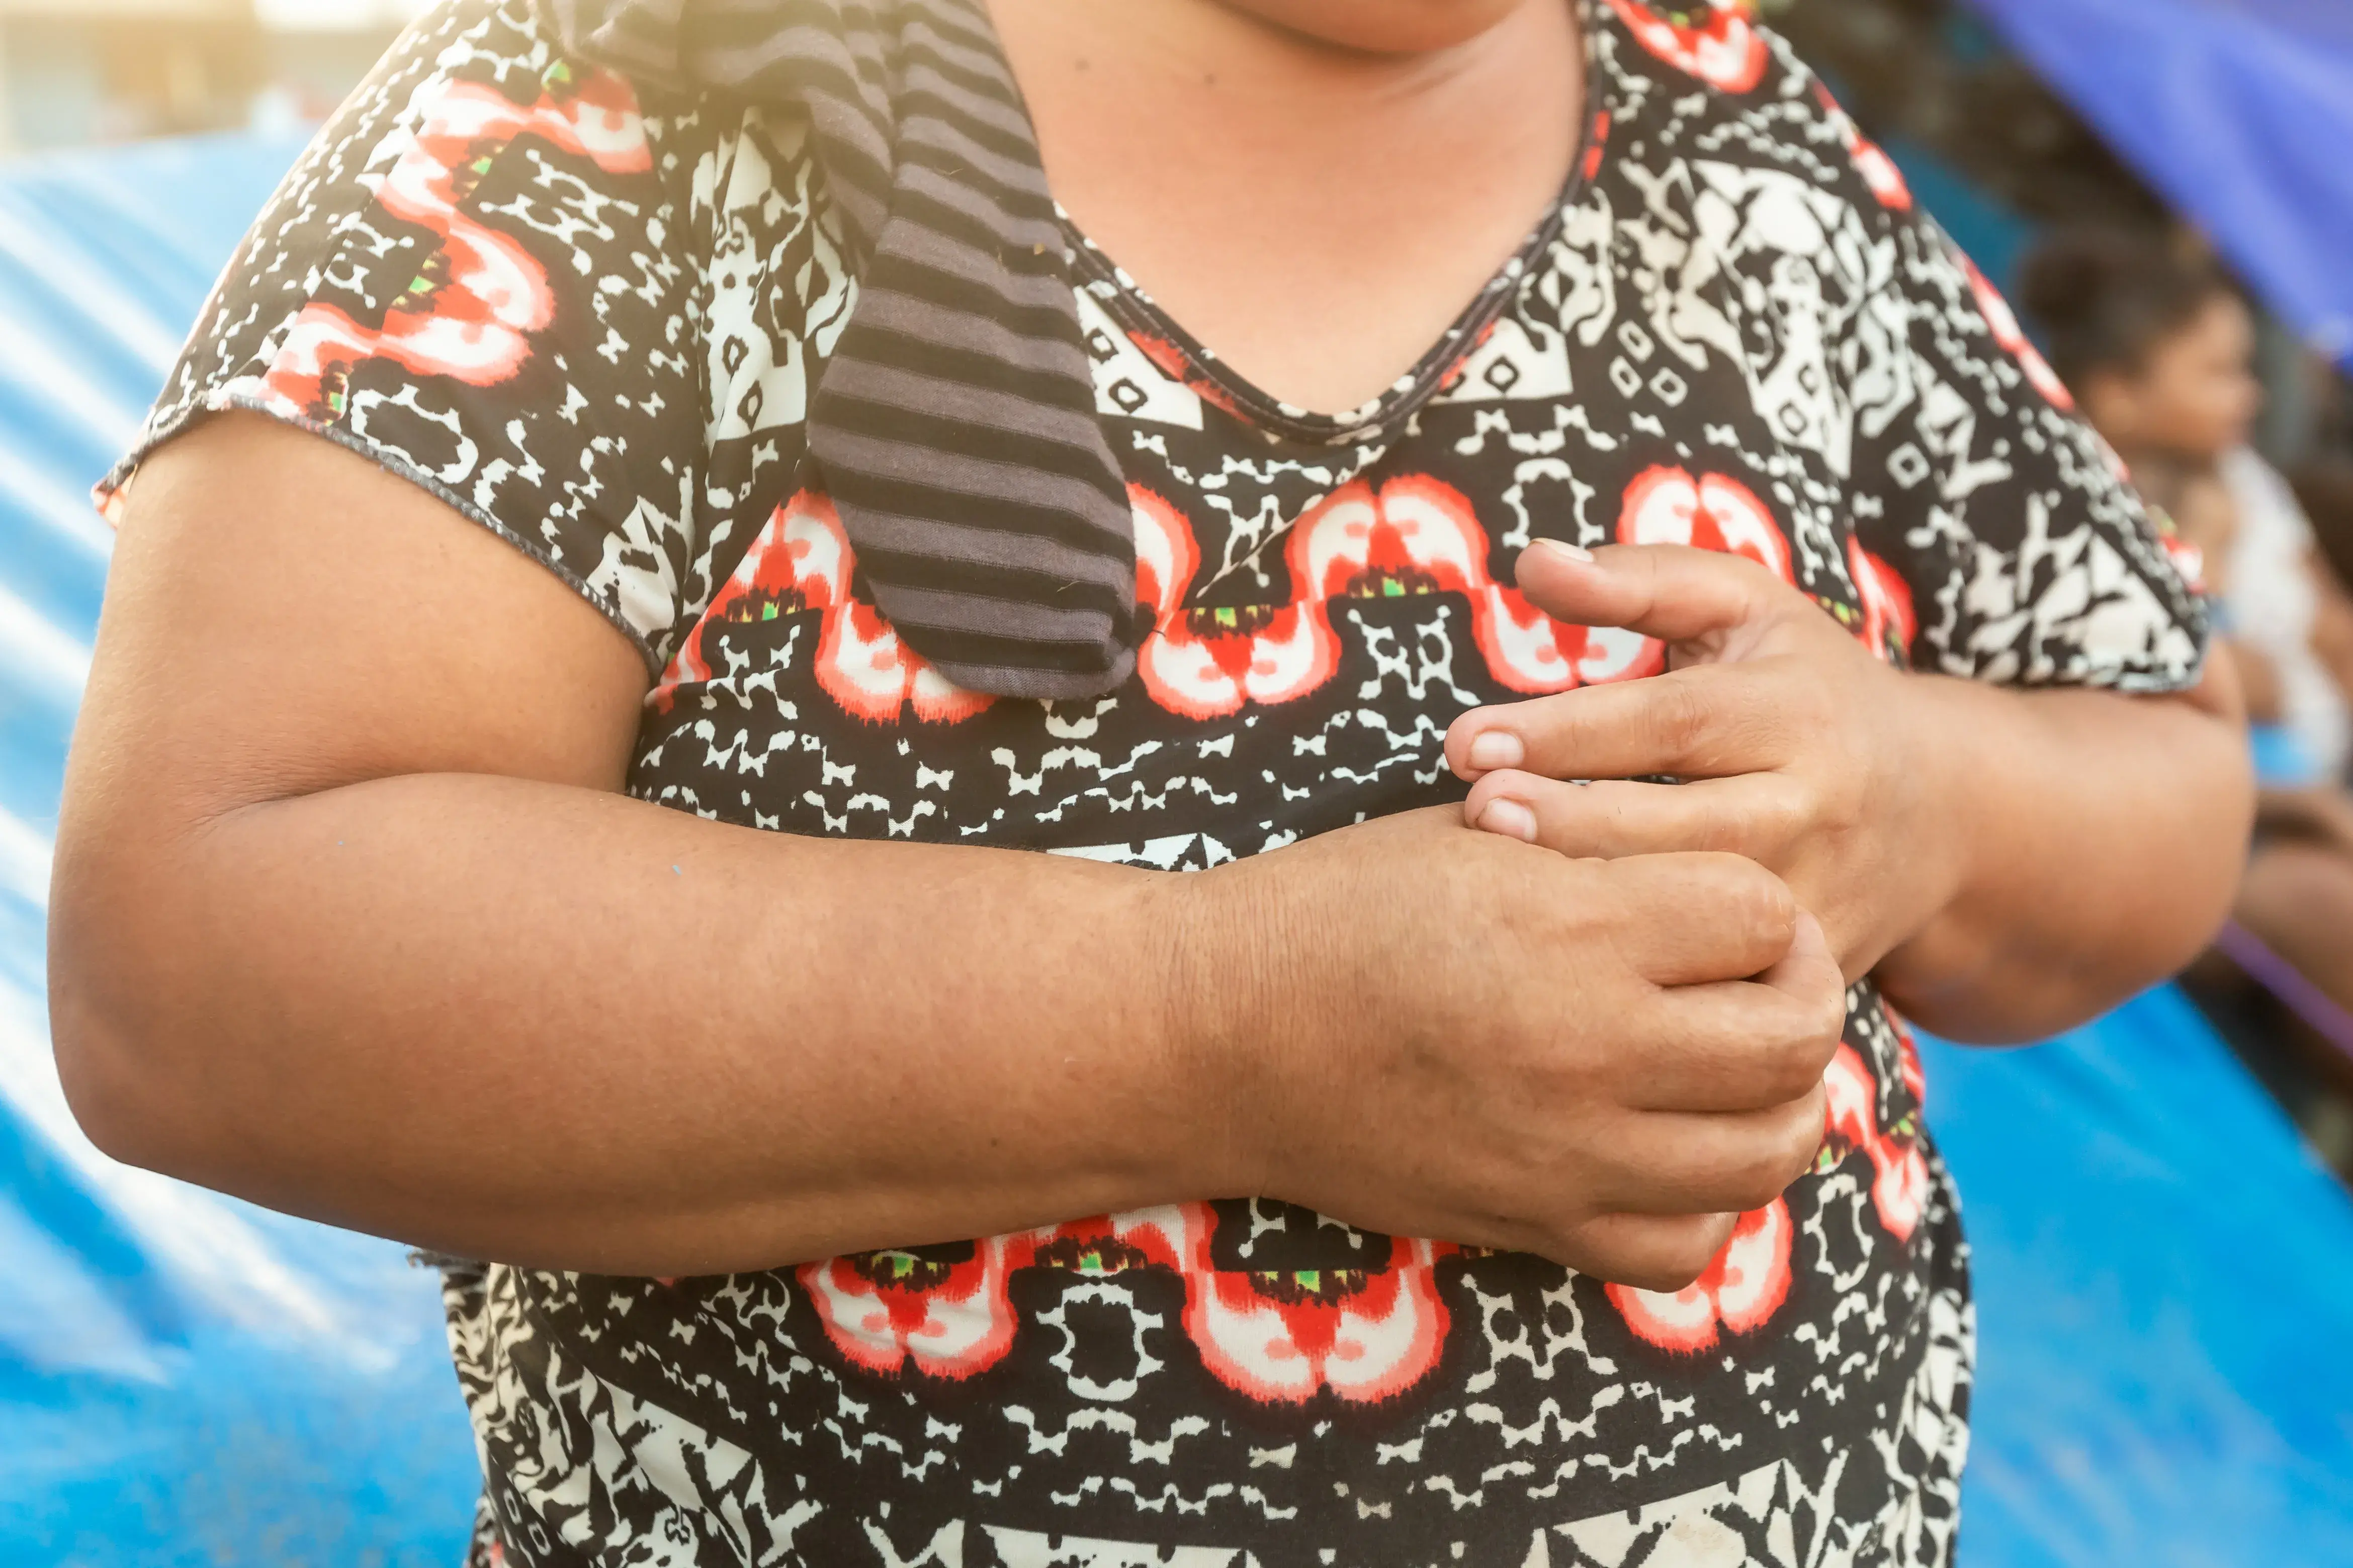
<point>2240,112</point>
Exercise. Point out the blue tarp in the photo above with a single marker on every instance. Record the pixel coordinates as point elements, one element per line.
<point>2165,1277</point>
<point>2239,112</point>
<point>184,1379</point>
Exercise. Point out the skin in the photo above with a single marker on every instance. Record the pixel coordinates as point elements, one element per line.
<point>1202,145</point>
<point>352,917</point>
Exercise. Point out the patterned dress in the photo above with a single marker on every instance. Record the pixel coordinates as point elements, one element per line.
<point>590,318</point>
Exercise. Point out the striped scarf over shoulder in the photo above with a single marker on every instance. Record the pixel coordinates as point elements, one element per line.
<point>955,425</point>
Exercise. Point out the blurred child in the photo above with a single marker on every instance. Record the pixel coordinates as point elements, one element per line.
<point>2196,500</point>
<point>2159,349</point>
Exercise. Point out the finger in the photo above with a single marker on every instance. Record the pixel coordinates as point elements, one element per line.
<point>1808,973</point>
<point>1732,1048</point>
<point>1671,591</point>
<point>1686,1164</point>
<point>1648,1252</point>
<point>1761,815</point>
<point>1688,920</point>
<point>1705,721</point>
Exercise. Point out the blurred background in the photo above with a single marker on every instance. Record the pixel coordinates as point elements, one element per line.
<point>77,72</point>
<point>2157,1205</point>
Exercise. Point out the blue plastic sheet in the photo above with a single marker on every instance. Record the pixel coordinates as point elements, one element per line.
<point>2165,1303</point>
<point>2165,1278</point>
<point>2239,112</point>
<point>184,1379</point>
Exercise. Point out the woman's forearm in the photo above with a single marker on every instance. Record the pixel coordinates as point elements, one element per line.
<point>352,917</point>
<point>523,1021</point>
<point>2097,841</point>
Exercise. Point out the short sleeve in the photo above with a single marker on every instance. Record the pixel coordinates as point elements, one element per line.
<point>474,277</point>
<point>2028,559</point>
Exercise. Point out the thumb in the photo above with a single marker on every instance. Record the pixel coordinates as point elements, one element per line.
<point>1671,591</point>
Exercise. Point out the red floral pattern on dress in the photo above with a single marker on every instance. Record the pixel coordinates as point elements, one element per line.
<point>1713,512</point>
<point>1206,663</point>
<point>888,1311</point>
<point>802,562</point>
<point>479,297</point>
<point>1718,44</point>
<point>1418,535</point>
<point>1889,622</point>
<point>2012,338</point>
<point>1411,537</point>
<point>1737,1294</point>
<point>1279,1337</point>
<point>1366,1335</point>
<point>1899,1187</point>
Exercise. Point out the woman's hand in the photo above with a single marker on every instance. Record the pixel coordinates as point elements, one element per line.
<point>1802,752</point>
<point>1428,1031</point>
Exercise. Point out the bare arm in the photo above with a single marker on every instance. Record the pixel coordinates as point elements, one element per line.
<point>2097,840</point>
<point>2009,863</point>
<point>351,917</point>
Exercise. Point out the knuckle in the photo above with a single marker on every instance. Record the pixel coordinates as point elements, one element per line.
<point>1763,1184</point>
<point>1796,1069</point>
<point>1718,831</point>
<point>1684,716</point>
<point>1663,1271</point>
<point>1758,902</point>
<point>1841,805</point>
<point>1803,1134</point>
<point>1786,815</point>
<point>1830,1029</point>
<point>1672,1278</point>
<point>1765,1171</point>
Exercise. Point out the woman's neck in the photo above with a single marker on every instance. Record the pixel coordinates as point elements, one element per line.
<point>1314,213</point>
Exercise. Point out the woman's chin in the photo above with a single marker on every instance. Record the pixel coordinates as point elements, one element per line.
<point>1384,27</point>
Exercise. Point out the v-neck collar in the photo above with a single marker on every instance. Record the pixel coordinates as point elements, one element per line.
<point>1382,418</point>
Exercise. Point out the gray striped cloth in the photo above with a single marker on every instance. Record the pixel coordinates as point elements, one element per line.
<point>955,425</point>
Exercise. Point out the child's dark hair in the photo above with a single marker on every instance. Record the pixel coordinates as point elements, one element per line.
<point>2107,296</point>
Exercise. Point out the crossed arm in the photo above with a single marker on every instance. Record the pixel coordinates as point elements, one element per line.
<point>351,918</point>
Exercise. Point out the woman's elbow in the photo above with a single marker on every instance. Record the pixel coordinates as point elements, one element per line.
<point>2152,908</point>
<point>119,1059</point>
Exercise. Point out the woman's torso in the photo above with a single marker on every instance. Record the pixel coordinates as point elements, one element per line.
<point>1730,333</point>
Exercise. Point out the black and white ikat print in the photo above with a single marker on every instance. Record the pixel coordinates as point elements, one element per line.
<point>592,319</point>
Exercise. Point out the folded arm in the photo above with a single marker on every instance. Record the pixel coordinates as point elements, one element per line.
<point>351,918</point>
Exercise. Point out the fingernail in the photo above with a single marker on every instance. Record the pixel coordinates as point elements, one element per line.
<point>1562,547</point>
<point>1509,819</point>
<point>1497,749</point>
